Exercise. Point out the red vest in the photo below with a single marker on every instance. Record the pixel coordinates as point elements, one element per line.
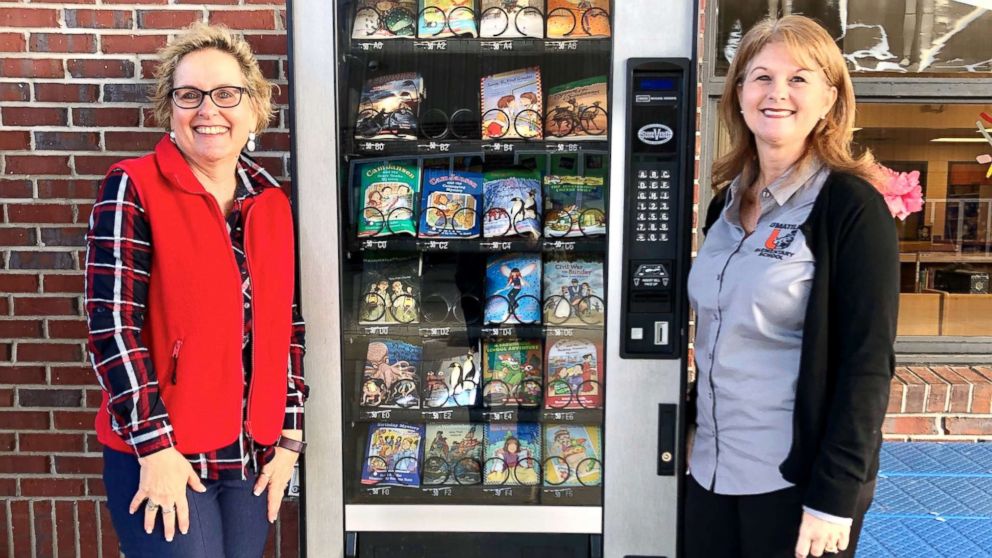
<point>193,319</point>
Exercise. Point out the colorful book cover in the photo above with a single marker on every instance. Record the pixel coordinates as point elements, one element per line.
<point>574,373</point>
<point>513,454</point>
<point>387,194</point>
<point>392,454</point>
<point>512,105</point>
<point>453,454</point>
<point>511,19</point>
<point>574,206</point>
<point>440,19</point>
<point>573,291</point>
<point>573,455</point>
<point>389,377</point>
<point>512,204</point>
<point>578,19</point>
<point>452,373</point>
<point>578,110</point>
<point>390,290</point>
<point>513,373</point>
<point>389,107</point>
<point>513,288</point>
<point>384,19</point>
<point>450,204</point>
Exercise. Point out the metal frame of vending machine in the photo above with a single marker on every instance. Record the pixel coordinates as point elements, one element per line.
<point>645,360</point>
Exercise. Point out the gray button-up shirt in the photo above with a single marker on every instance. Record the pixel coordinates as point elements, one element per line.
<point>750,293</point>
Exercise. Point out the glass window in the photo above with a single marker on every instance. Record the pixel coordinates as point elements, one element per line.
<point>945,249</point>
<point>930,37</point>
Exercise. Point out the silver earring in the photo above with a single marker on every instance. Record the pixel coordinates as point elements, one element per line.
<point>251,141</point>
<point>172,136</point>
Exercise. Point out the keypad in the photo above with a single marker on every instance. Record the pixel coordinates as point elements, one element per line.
<point>652,211</point>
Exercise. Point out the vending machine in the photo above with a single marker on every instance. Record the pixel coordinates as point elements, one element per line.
<point>495,203</point>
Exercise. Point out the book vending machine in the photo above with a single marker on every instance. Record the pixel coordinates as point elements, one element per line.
<point>495,208</point>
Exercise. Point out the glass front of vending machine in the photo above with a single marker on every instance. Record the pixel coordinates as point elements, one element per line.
<point>462,226</point>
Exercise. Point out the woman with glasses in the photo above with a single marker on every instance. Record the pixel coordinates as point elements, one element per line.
<point>795,290</point>
<point>193,332</point>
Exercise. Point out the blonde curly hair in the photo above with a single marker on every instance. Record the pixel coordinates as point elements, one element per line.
<point>201,36</point>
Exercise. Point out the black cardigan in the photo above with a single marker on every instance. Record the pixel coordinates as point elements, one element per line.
<point>847,356</point>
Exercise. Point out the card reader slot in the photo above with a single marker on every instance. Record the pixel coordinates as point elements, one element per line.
<point>643,303</point>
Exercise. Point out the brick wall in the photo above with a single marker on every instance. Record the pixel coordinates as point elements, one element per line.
<point>940,403</point>
<point>73,81</point>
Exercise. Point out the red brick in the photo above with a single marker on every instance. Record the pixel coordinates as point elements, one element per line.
<point>981,391</point>
<point>34,116</point>
<point>148,68</point>
<point>42,260</point>
<point>37,164</point>
<point>87,514</point>
<point>28,17</point>
<point>20,526</point>
<point>44,532</point>
<point>65,529</point>
<point>4,306</point>
<point>6,397</point>
<point>148,118</point>
<point>6,351</point>
<point>280,95</point>
<point>48,352</point>
<point>914,392</point>
<point>31,67</point>
<point>24,420</point>
<point>108,539</point>
<point>245,19</point>
<point>62,42</point>
<point>73,375</point>
<point>12,42</point>
<point>17,236</point>
<point>53,487</point>
<point>8,487</point>
<point>20,329</point>
<point>93,398</point>
<point>167,19</point>
<point>269,68</point>
<point>15,91</point>
<point>100,68</point>
<point>130,141</point>
<point>14,140</point>
<point>94,164</point>
<point>66,141</point>
<point>99,19</point>
<point>95,487</point>
<point>198,2</point>
<point>39,213</point>
<point>59,329</point>
<point>68,189</point>
<point>74,465</point>
<point>66,93</point>
<point>104,117</point>
<point>24,464</point>
<point>46,306</point>
<point>74,420</point>
<point>22,375</point>
<point>67,236</point>
<point>274,141</point>
<point>909,425</point>
<point>63,283</point>
<point>15,188</point>
<point>8,441</point>
<point>51,442</point>
<point>969,426</point>
<point>267,44</point>
<point>132,44</point>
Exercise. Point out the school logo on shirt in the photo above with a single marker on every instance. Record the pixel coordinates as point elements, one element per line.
<point>778,241</point>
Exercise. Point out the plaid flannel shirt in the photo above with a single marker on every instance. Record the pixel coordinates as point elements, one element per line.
<point>118,266</point>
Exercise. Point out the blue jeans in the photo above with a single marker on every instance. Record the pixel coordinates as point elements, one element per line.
<point>226,521</point>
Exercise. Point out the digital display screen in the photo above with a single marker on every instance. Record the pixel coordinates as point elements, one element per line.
<point>656,84</point>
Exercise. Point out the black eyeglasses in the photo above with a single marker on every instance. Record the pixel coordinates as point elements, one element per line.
<point>577,119</point>
<point>465,471</point>
<point>528,21</point>
<point>563,392</point>
<point>513,309</point>
<point>525,471</point>
<point>225,96</point>
<point>594,21</point>
<point>436,308</point>
<point>401,393</point>
<point>403,471</point>
<point>433,21</point>
<point>526,394</point>
<point>526,124</point>
<point>558,471</point>
<point>401,308</point>
<point>561,308</point>
<point>560,223</point>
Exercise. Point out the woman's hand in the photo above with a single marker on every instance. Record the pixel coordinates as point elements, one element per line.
<point>276,475</point>
<point>164,476</point>
<point>817,536</point>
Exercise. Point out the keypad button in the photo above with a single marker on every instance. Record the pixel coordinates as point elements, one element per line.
<point>654,184</point>
<point>653,196</point>
<point>653,227</point>
<point>665,185</point>
<point>664,237</point>
<point>640,217</point>
<point>640,237</point>
<point>664,206</point>
<point>664,226</point>
<point>652,216</point>
<point>653,174</point>
<point>665,195</point>
<point>664,216</point>
<point>642,174</point>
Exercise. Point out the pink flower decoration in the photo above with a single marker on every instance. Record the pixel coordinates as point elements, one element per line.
<point>901,190</point>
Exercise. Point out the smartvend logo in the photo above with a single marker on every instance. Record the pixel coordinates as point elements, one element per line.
<point>655,134</point>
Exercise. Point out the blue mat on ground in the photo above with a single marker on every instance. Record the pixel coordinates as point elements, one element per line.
<point>933,500</point>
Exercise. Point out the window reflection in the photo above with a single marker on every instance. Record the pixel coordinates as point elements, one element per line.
<point>893,36</point>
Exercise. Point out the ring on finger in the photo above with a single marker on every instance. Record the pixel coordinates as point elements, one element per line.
<point>166,511</point>
<point>151,506</point>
